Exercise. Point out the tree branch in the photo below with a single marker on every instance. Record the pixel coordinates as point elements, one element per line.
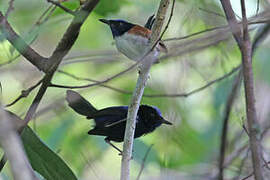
<point>228,107</point>
<point>197,89</point>
<point>143,161</point>
<point>245,47</point>
<point>61,50</point>
<point>177,95</point>
<point>138,92</point>
<point>62,7</point>
<point>253,126</point>
<point>25,93</point>
<point>233,23</point>
<point>21,46</point>
<point>10,8</point>
<point>10,142</point>
<point>259,37</point>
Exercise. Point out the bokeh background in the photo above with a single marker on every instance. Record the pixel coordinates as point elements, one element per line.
<point>187,150</point>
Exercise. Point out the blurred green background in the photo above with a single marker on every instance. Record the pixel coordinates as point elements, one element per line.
<point>190,148</point>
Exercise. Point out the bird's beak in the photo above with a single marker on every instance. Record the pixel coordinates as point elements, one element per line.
<point>164,121</point>
<point>105,21</point>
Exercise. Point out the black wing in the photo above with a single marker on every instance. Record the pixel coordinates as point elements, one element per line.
<point>107,116</point>
<point>110,122</point>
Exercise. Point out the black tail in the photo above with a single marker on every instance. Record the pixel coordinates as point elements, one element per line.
<point>79,104</point>
<point>150,22</point>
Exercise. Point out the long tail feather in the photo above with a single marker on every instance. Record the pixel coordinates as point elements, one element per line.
<point>79,104</point>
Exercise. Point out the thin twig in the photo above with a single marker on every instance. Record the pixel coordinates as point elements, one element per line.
<point>143,161</point>
<point>242,164</point>
<point>99,82</point>
<point>229,105</point>
<point>212,29</point>
<point>198,89</point>
<point>260,36</point>
<point>184,95</point>
<point>38,22</point>
<point>196,33</point>
<point>258,7</point>
<point>91,80</point>
<point>10,60</point>
<point>62,7</point>
<point>3,162</point>
<point>251,174</point>
<point>211,12</point>
<point>25,93</point>
<point>10,8</point>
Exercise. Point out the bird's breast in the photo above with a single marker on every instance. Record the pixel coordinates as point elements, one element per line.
<point>133,46</point>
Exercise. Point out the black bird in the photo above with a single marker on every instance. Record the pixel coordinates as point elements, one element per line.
<point>111,121</point>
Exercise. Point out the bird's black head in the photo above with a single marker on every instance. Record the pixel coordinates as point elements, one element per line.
<point>151,116</point>
<point>118,27</point>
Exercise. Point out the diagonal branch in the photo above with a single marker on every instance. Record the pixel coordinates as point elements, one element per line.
<point>25,93</point>
<point>62,7</point>
<point>61,50</point>
<point>233,23</point>
<point>21,46</point>
<point>229,104</point>
<point>71,34</point>
<point>147,61</point>
<point>10,8</point>
<point>143,161</point>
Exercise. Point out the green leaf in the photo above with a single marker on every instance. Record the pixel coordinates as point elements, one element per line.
<point>44,160</point>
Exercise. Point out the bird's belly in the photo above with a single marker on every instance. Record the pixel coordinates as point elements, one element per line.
<point>133,47</point>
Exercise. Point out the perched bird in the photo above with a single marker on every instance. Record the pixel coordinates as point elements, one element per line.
<point>111,122</point>
<point>133,40</point>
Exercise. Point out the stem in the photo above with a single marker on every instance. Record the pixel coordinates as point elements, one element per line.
<point>253,126</point>
<point>244,44</point>
<point>229,105</point>
<point>138,92</point>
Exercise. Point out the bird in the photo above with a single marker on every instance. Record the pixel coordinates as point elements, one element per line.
<point>111,121</point>
<point>133,40</point>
